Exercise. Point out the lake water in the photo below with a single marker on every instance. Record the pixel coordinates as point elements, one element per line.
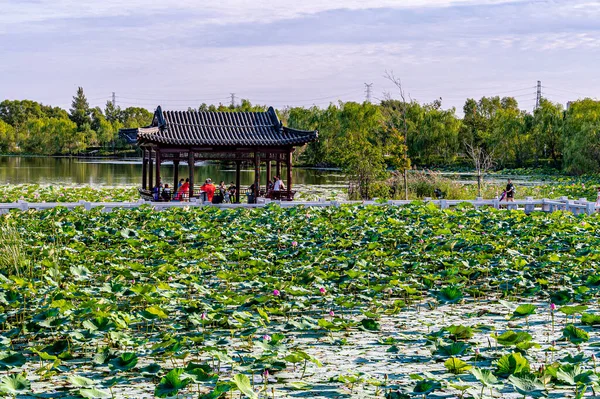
<point>103,172</point>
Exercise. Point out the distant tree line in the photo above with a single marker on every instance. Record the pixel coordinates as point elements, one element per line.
<point>364,139</point>
<point>28,127</point>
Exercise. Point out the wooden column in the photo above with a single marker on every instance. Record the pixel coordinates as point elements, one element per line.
<point>289,173</point>
<point>157,168</point>
<point>256,176</point>
<point>144,169</point>
<point>191,162</point>
<point>268,160</point>
<point>151,170</point>
<point>176,174</point>
<point>237,180</point>
<point>278,166</point>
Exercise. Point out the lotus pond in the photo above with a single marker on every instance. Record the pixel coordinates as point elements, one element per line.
<point>374,301</point>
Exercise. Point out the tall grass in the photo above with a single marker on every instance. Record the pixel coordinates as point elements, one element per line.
<point>13,259</point>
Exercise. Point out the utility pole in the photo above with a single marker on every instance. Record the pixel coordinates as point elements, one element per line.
<point>538,97</point>
<point>114,99</point>
<point>368,87</point>
<point>232,100</point>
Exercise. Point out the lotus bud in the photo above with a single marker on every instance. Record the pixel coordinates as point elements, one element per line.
<point>322,290</point>
<point>552,307</point>
<point>276,292</point>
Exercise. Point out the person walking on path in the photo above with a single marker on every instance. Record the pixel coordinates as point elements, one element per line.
<point>510,191</point>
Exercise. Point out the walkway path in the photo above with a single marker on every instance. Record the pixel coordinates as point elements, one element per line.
<point>528,205</point>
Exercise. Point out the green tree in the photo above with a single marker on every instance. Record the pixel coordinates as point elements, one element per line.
<point>80,109</point>
<point>7,138</point>
<point>582,137</point>
<point>548,124</point>
<point>136,117</point>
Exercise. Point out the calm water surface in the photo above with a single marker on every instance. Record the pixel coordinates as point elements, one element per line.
<point>102,172</point>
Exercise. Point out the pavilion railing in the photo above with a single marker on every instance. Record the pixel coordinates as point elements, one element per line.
<point>581,206</point>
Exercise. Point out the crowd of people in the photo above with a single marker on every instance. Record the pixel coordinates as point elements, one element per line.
<point>209,192</point>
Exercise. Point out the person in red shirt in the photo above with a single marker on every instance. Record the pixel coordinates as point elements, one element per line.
<point>209,189</point>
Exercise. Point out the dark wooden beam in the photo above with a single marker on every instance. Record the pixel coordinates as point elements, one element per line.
<point>256,176</point>
<point>151,170</point>
<point>157,168</point>
<point>278,166</point>
<point>176,175</point>
<point>144,169</point>
<point>191,162</point>
<point>268,174</point>
<point>237,181</point>
<point>289,173</point>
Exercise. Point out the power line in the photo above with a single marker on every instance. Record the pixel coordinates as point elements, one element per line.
<point>566,91</point>
<point>173,100</point>
<point>274,100</point>
<point>232,100</point>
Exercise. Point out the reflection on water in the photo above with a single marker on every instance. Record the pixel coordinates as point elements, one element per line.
<point>100,172</point>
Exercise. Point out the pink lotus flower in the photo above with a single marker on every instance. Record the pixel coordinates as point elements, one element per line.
<point>266,374</point>
<point>552,307</point>
<point>294,244</point>
<point>331,313</point>
<point>266,337</point>
<point>322,290</point>
<point>170,278</point>
<point>421,241</point>
<point>461,226</point>
<point>203,316</point>
<point>276,292</point>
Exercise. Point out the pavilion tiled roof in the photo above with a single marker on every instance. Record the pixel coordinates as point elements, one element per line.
<point>194,128</point>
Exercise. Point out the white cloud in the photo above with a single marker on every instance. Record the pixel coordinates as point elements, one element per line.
<point>220,11</point>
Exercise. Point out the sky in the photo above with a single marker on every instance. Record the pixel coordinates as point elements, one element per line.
<point>297,52</point>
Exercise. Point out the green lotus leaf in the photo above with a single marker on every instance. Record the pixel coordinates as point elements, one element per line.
<point>524,310</point>
<point>425,387</point>
<point>9,360</point>
<point>125,362</point>
<point>80,382</point>
<point>486,377</point>
<point>242,383</point>
<point>513,363</point>
<point>15,384</point>
<point>457,366</point>
<point>571,310</point>
<point>512,338</point>
<point>94,393</point>
<point>528,385</point>
<point>575,335</point>
<point>590,319</point>
<point>171,383</point>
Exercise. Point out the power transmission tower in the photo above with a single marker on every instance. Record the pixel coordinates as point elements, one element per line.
<point>538,97</point>
<point>114,99</point>
<point>232,100</point>
<point>368,87</point>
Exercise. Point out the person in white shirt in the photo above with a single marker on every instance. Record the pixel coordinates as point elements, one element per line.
<point>278,186</point>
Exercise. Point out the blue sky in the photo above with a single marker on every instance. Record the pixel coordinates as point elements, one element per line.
<point>280,52</point>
